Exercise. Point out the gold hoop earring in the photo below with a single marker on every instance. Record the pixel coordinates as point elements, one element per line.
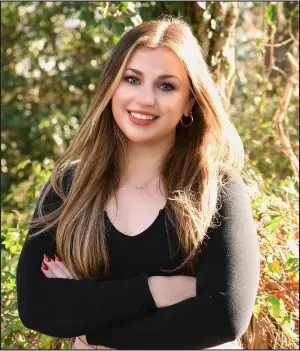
<point>192,119</point>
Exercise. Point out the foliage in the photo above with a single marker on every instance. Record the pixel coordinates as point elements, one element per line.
<point>277,226</point>
<point>14,335</point>
<point>257,94</point>
<point>49,79</point>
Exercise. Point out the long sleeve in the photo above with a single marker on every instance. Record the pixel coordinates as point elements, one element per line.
<point>227,283</point>
<point>68,307</point>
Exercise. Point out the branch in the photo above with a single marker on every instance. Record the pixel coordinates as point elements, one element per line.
<point>296,41</point>
<point>272,38</point>
<point>279,44</point>
<point>280,113</point>
<point>275,68</point>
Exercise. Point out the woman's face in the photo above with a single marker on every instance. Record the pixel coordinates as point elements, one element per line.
<point>154,83</point>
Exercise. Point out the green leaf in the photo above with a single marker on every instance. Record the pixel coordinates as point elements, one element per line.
<point>91,25</point>
<point>274,223</point>
<point>145,14</point>
<point>273,306</point>
<point>37,168</point>
<point>9,197</point>
<point>108,21</point>
<point>271,13</point>
<point>256,310</point>
<point>65,345</point>
<point>46,341</point>
<point>18,325</point>
<point>116,40</point>
<point>85,14</point>
<point>6,331</point>
<point>292,261</point>
<point>124,5</point>
<point>118,28</point>
<point>128,22</point>
<point>23,164</point>
<point>257,41</point>
<point>289,321</point>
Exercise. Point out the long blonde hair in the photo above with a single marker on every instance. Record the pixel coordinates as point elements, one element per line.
<point>204,157</point>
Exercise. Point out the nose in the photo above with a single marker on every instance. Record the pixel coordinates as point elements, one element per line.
<point>146,96</point>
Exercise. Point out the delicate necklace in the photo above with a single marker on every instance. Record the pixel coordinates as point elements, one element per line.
<point>143,186</point>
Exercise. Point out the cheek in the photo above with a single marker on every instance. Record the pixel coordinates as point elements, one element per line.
<point>123,92</point>
<point>118,101</point>
<point>117,98</point>
<point>173,108</point>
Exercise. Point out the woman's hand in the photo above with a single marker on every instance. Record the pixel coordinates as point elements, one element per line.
<point>55,268</point>
<point>167,291</point>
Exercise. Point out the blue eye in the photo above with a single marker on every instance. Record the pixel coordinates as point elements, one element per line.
<point>128,79</point>
<point>170,87</point>
<point>134,81</point>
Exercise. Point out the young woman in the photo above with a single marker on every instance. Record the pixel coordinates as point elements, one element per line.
<point>144,237</point>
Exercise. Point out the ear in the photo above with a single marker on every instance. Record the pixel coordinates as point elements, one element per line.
<point>189,106</point>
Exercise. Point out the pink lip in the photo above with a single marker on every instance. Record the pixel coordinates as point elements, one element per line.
<point>140,122</point>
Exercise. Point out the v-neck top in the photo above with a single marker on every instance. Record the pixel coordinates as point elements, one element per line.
<point>120,312</point>
<point>161,211</point>
<point>124,250</point>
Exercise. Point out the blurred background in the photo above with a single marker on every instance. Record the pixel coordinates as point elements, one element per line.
<point>53,54</point>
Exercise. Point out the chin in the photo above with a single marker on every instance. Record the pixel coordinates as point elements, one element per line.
<point>135,139</point>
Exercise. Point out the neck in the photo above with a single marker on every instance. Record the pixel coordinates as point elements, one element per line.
<point>144,161</point>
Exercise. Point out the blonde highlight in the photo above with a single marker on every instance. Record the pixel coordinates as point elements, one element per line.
<point>203,159</point>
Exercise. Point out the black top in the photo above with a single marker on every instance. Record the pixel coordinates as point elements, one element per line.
<point>120,312</point>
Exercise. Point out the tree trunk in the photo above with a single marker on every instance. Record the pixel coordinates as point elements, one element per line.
<point>216,34</point>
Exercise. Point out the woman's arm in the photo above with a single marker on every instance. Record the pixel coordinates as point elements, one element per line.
<point>227,283</point>
<point>68,307</point>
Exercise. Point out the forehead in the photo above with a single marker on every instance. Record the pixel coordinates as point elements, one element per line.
<point>157,61</point>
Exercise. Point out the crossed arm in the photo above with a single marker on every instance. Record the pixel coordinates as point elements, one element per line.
<point>68,307</point>
<point>227,281</point>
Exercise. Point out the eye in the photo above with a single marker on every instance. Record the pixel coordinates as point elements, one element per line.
<point>135,81</point>
<point>169,87</point>
<point>130,79</point>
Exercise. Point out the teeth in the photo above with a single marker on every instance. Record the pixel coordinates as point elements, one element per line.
<point>139,116</point>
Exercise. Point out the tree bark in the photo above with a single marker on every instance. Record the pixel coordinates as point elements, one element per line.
<point>216,33</point>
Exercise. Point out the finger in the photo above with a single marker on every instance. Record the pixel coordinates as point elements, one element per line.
<point>47,272</point>
<point>56,270</point>
<point>62,266</point>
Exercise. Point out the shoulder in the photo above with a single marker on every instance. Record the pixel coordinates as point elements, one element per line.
<point>235,204</point>
<point>232,185</point>
<point>52,199</point>
<point>68,176</point>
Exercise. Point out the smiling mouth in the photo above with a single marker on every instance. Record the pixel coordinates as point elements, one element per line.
<point>142,116</point>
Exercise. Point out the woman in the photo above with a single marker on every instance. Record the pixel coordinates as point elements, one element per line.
<point>145,227</point>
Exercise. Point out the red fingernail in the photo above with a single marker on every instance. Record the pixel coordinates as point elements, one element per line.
<point>47,258</point>
<point>44,266</point>
<point>57,258</point>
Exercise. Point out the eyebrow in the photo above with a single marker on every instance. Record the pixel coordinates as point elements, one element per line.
<point>161,76</point>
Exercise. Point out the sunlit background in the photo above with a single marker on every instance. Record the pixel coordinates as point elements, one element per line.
<point>53,54</point>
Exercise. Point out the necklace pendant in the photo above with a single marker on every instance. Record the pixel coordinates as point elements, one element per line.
<point>139,187</point>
